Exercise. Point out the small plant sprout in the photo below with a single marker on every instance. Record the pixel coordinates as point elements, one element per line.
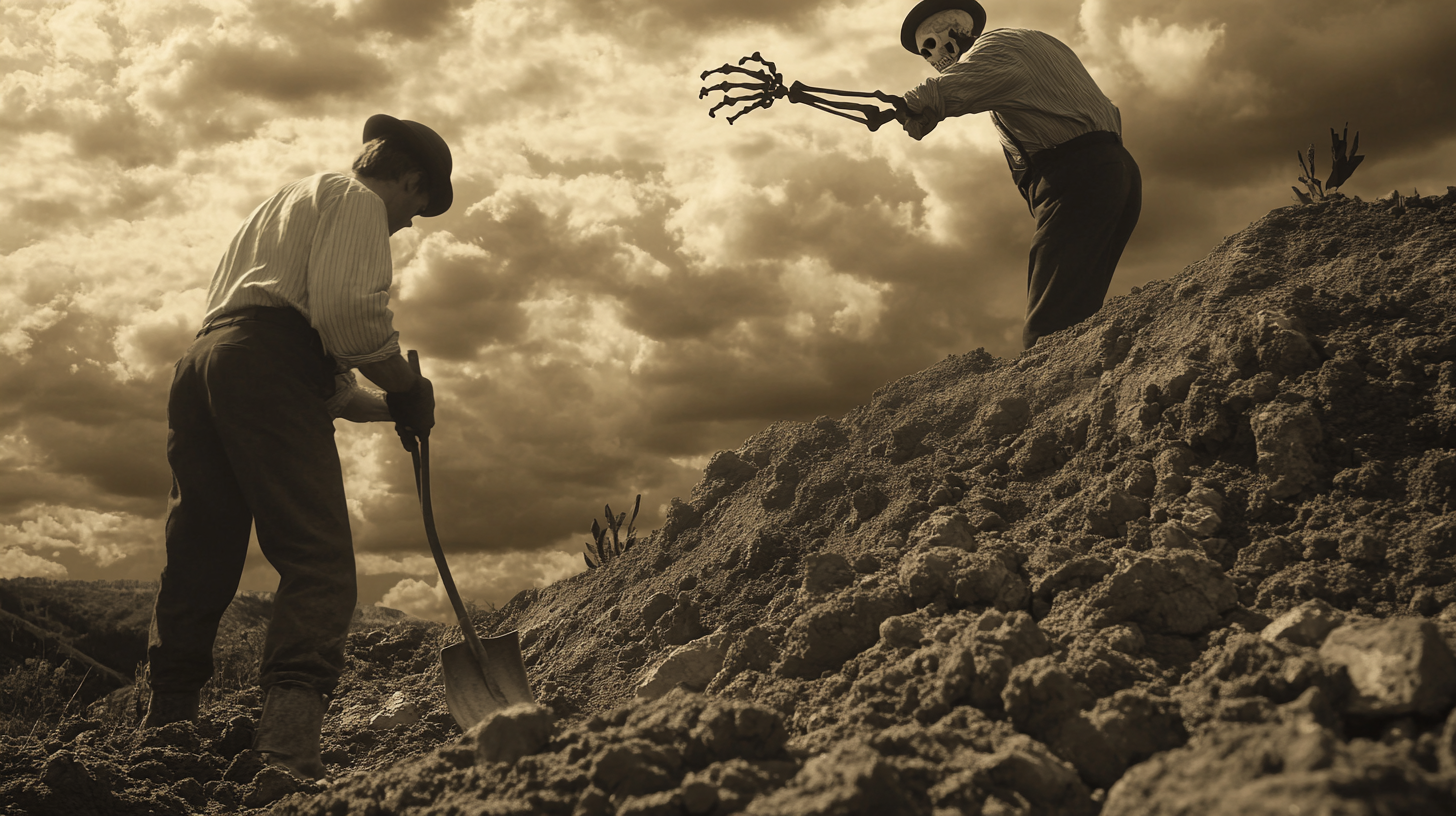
<point>1342,163</point>
<point>605,549</point>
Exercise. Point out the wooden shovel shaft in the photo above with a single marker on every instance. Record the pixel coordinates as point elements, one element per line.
<point>421,458</point>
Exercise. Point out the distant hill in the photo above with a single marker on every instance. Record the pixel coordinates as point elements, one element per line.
<point>108,620</point>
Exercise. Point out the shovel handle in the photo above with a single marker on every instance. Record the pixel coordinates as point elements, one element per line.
<point>421,458</point>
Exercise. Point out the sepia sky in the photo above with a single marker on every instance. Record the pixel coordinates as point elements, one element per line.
<point>623,286</point>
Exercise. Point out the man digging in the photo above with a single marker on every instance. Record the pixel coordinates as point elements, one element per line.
<point>299,299</point>
<point>1062,139</point>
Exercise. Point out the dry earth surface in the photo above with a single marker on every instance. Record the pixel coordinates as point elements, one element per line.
<point>1194,556</point>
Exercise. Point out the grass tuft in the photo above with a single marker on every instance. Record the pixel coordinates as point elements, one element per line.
<point>606,549</point>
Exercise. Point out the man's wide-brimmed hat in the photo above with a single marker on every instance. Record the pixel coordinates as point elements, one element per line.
<point>426,146</point>
<point>925,8</point>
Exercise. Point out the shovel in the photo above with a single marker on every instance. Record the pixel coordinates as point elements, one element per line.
<point>482,675</point>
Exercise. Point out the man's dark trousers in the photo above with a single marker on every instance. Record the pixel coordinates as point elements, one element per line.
<point>250,441</point>
<point>1086,206</point>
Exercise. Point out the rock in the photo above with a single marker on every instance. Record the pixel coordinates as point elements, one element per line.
<point>990,578</point>
<point>899,631</point>
<point>1039,695</point>
<point>1202,521</point>
<point>397,710</point>
<point>693,665</point>
<point>509,734</point>
<point>1397,666</point>
<point>728,466</point>
<point>1270,769</point>
<point>1135,725</point>
<point>681,517</point>
<point>728,729</point>
<point>826,572</point>
<point>635,767</point>
<point>1006,416</point>
<point>944,529</point>
<point>838,629</point>
<point>1362,548</point>
<point>1123,506</point>
<point>662,803</point>
<point>735,782</point>
<point>244,767</point>
<point>1021,769</point>
<point>699,798</point>
<point>867,502</point>
<point>1174,592</point>
<point>1446,746</point>
<point>271,784</point>
<point>928,574</point>
<point>1284,346</point>
<point>1286,438</point>
<point>752,651</point>
<point>1078,573</point>
<point>851,778</point>
<point>1171,535</point>
<point>1306,624</point>
<point>1247,675</point>
<point>655,607</point>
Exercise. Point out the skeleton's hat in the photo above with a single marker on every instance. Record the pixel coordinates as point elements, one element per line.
<point>426,146</point>
<point>925,8</point>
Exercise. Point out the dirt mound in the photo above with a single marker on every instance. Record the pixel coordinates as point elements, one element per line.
<point>1193,555</point>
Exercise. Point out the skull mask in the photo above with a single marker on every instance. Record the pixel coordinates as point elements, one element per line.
<point>935,35</point>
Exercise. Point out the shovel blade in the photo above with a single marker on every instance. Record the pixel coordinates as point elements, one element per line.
<point>474,692</point>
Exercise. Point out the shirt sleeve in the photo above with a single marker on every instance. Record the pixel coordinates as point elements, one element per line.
<point>349,275</point>
<point>989,77</point>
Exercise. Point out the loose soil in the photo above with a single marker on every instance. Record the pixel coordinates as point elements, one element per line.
<point>1054,584</point>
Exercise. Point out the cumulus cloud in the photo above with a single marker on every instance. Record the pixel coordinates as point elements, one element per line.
<point>101,537</point>
<point>16,562</point>
<point>485,579</point>
<point>624,285</point>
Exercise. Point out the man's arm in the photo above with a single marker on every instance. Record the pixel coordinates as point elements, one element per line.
<point>364,405</point>
<point>392,374</point>
<point>410,400</point>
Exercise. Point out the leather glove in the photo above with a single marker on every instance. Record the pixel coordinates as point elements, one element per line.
<point>413,411</point>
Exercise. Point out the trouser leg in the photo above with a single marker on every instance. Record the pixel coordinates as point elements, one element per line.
<point>252,442</point>
<point>1086,208</point>
<point>206,538</point>
<point>280,441</point>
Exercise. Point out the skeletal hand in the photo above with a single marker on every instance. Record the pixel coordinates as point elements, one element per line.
<point>768,86</point>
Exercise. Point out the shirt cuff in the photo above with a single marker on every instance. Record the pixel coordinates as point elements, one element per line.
<point>345,383</point>
<point>384,352</point>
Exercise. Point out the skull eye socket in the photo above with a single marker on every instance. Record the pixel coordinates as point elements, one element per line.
<point>927,46</point>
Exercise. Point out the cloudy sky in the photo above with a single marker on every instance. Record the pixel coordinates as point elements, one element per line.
<point>623,286</point>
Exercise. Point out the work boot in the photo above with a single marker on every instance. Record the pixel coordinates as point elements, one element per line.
<point>288,733</point>
<point>169,707</point>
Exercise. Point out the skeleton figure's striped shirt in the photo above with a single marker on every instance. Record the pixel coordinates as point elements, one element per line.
<point>1038,91</point>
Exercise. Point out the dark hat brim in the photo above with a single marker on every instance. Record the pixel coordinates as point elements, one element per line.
<point>925,8</point>
<point>426,146</point>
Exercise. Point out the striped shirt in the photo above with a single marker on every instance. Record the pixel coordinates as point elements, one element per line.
<point>319,246</point>
<point>1039,93</point>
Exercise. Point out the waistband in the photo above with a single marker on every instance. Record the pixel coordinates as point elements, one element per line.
<point>276,315</point>
<point>1042,158</point>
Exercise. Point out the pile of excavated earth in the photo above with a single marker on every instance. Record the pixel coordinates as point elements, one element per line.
<point>1194,555</point>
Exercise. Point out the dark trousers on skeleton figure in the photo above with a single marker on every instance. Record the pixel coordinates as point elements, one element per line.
<point>1086,204</point>
<point>251,442</point>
